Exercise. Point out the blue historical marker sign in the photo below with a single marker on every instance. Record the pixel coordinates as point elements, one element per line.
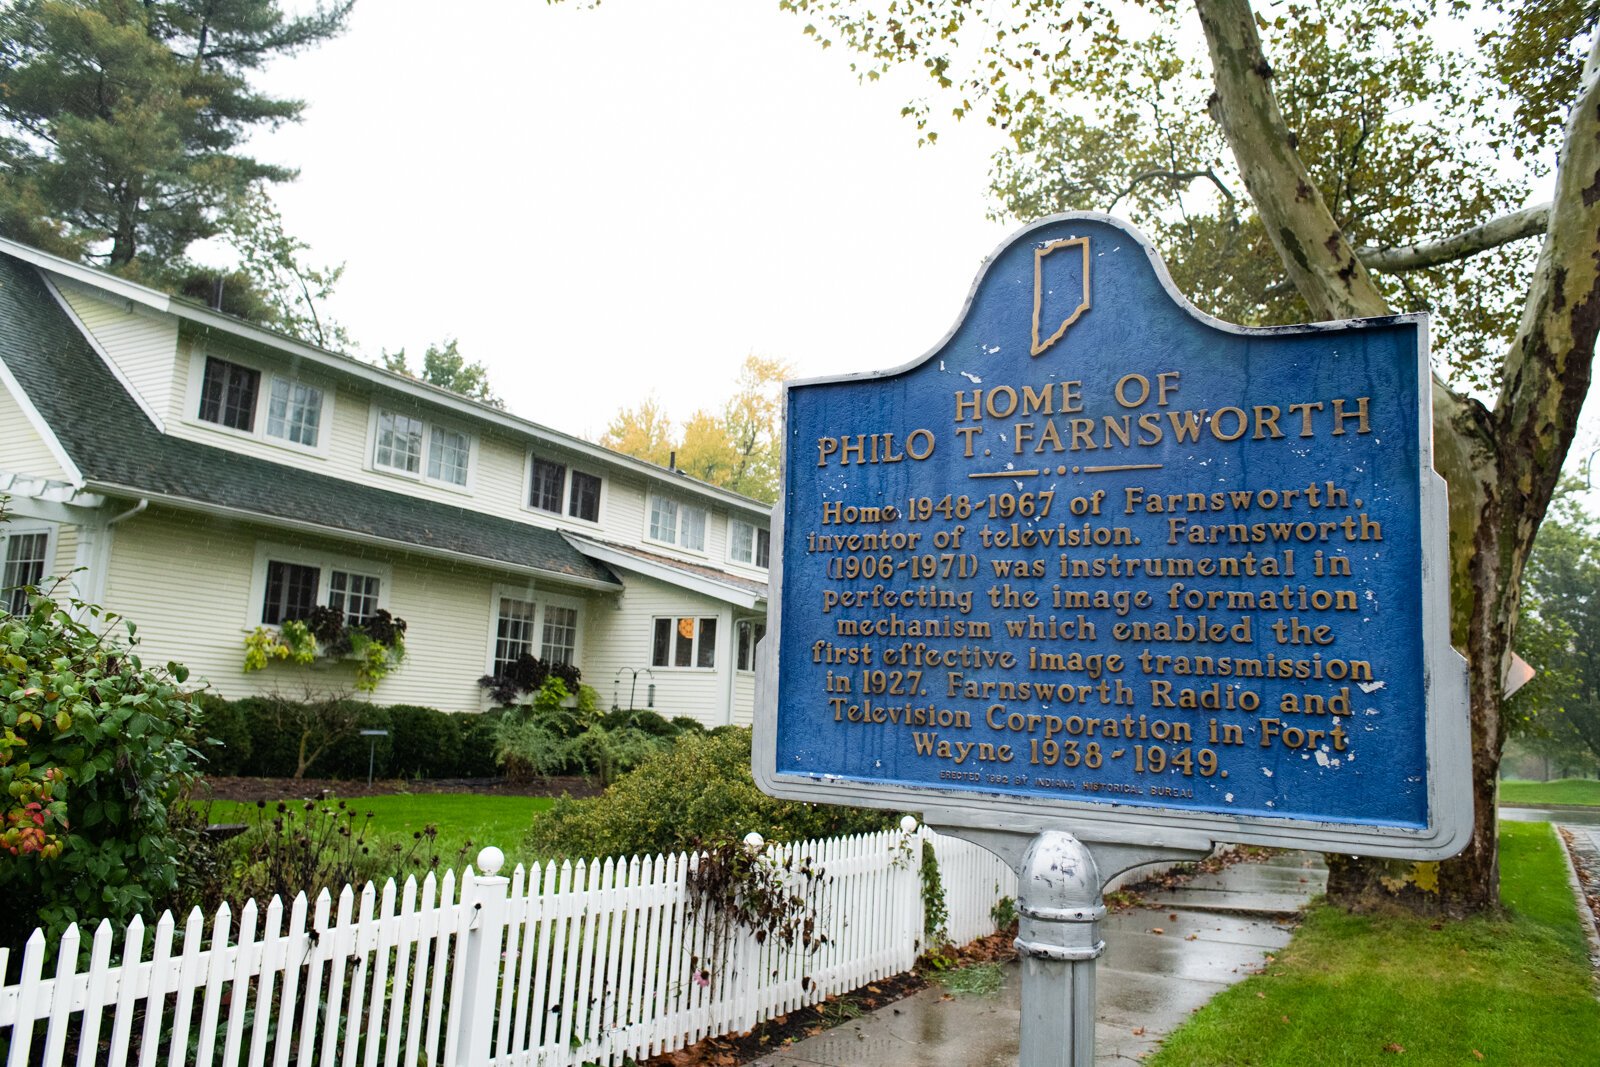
<point>1102,562</point>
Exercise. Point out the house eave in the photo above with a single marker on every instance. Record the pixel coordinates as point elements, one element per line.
<point>612,557</point>
<point>318,529</point>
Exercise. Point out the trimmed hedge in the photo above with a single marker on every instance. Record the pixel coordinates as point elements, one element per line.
<point>261,737</point>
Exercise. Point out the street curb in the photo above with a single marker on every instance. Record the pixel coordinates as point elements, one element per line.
<point>1585,913</point>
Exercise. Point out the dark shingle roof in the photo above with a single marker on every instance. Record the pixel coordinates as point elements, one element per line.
<point>116,447</point>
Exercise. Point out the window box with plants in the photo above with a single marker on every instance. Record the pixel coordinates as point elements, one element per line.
<point>375,644</point>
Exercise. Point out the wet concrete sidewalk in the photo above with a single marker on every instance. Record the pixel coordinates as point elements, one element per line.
<point>1162,961</point>
<point>1584,851</point>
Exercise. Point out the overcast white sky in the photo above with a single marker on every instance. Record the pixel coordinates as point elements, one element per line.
<point>604,203</point>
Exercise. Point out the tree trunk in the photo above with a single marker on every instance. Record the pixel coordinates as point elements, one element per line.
<point>1501,467</point>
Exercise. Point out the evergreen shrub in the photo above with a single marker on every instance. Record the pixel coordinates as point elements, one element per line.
<point>425,742</point>
<point>697,793</point>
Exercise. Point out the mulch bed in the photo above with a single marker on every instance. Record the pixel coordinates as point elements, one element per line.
<point>247,789</point>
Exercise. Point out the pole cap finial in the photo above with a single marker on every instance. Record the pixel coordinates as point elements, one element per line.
<point>490,860</point>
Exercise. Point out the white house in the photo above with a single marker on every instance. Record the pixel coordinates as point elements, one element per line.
<point>205,477</point>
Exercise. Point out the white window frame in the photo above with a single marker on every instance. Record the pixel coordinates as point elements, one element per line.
<point>755,540</point>
<point>540,600</point>
<point>739,624</point>
<point>428,426</point>
<point>566,465</point>
<point>683,506</point>
<point>700,618</point>
<point>258,424</point>
<point>325,562</point>
<point>22,528</point>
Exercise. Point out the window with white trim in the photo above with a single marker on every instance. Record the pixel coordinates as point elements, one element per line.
<point>673,522</point>
<point>748,634</point>
<point>294,412</point>
<point>228,394</point>
<point>399,442</point>
<point>231,395</point>
<point>449,455</point>
<point>684,641</point>
<point>554,488</point>
<point>294,583</point>
<point>26,553</point>
<point>354,594</point>
<point>410,444</point>
<point>748,543</point>
<point>544,628</point>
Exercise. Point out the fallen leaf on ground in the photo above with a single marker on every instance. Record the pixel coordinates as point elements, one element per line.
<point>1157,930</point>
<point>1476,1054</point>
<point>1138,1032</point>
<point>1392,1047</point>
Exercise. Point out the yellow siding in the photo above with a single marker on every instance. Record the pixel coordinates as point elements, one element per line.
<point>744,698</point>
<point>65,561</point>
<point>194,604</point>
<point>22,449</point>
<point>620,638</point>
<point>142,343</point>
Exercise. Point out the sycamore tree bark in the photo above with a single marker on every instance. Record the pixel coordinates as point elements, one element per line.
<point>1501,465</point>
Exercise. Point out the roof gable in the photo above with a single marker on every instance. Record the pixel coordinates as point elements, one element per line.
<point>117,450</point>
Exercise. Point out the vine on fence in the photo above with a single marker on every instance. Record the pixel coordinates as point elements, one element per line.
<point>736,884</point>
<point>935,912</point>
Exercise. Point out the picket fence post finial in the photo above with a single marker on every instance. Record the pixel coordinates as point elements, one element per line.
<point>487,897</point>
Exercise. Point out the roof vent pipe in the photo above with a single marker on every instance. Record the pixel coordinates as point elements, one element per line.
<point>672,461</point>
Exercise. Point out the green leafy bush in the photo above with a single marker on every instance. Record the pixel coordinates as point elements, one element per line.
<point>299,738</point>
<point>698,792</point>
<point>561,736</point>
<point>645,721</point>
<point>94,747</point>
<point>346,757</point>
<point>272,750</point>
<point>477,743</point>
<point>224,735</point>
<point>425,742</point>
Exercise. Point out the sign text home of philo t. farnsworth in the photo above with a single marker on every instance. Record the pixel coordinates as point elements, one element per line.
<point>1100,559</point>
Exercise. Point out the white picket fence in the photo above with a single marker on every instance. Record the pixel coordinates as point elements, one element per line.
<point>553,966</point>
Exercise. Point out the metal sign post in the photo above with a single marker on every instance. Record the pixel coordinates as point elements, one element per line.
<point>372,749</point>
<point>1101,580</point>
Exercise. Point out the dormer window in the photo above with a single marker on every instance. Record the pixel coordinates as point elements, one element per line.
<point>748,543</point>
<point>411,445</point>
<point>554,488</point>
<point>399,445</point>
<point>673,522</point>
<point>295,412</point>
<point>228,394</point>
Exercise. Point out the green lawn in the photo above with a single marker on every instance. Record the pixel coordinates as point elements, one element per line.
<point>1354,990</point>
<point>1585,791</point>
<point>460,818</point>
